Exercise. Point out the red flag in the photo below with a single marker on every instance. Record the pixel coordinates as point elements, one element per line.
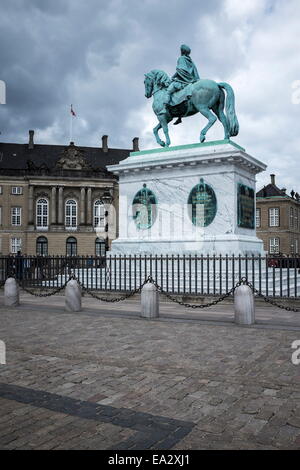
<point>72,111</point>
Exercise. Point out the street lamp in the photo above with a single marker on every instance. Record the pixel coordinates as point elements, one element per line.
<point>107,199</point>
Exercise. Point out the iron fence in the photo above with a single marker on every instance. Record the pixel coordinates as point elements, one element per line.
<point>176,274</point>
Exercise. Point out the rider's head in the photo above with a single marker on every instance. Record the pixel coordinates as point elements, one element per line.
<point>185,50</point>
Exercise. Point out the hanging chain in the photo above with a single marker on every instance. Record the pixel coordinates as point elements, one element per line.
<point>48,294</point>
<point>149,279</point>
<point>267,299</point>
<point>116,299</point>
<point>184,304</point>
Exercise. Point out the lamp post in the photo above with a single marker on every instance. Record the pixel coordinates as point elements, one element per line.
<point>107,199</point>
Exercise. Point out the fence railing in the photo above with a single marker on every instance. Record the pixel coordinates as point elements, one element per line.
<point>177,274</point>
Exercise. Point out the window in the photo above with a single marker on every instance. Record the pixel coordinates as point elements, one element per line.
<point>100,247</point>
<point>292,245</point>
<point>15,245</point>
<point>274,245</point>
<point>71,214</point>
<point>0,215</point>
<point>291,217</point>
<point>99,214</point>
<point>274,217</point>
<point>42,246</point>
<point>16,190</point>
<point>42,214</point>
<point>16,213</point>
<point>257,218</point>
<point>296,218</point>
<point>296,246</point>
<point>1,192</point>
<point>71,246</point>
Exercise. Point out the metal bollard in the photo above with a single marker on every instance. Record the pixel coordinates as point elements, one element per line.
<point>244,307</point>
<point>73,296</point>
<point>149,301</point>
<point>11,293</point>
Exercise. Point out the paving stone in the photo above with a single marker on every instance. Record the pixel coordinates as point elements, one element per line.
<point>91,381</point>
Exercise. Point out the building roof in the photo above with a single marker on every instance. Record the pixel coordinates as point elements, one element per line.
<point>271,191</point>
<point>21,157</point>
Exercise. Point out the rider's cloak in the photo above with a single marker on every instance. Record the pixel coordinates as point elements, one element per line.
<point>186,70</point>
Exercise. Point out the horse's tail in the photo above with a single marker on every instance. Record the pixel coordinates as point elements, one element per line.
<point>230,109</point>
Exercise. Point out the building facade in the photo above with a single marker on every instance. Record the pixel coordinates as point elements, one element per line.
<point>278,220</point>
<point>58,200</point>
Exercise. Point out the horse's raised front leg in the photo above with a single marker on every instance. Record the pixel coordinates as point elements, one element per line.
<point>155,132</point>
<point>211,120</point>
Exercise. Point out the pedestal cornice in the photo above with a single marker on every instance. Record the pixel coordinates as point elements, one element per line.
<point>217,153</point>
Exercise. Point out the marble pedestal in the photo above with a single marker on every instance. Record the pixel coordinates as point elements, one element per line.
<point>223,224</point>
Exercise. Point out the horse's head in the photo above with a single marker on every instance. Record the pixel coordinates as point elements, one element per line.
<point>156,79</point>
<point>148,85</point>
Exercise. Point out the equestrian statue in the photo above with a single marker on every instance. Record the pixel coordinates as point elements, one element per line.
<point>186,94</point>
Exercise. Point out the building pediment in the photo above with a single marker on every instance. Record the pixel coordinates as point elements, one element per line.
<point>72,158</point>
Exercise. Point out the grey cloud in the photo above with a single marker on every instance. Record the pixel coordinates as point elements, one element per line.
<point>94,54</point>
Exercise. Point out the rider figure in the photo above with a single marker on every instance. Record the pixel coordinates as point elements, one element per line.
<point>186,73</point>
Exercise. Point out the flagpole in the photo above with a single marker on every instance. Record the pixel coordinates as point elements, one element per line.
<point>71,125</point>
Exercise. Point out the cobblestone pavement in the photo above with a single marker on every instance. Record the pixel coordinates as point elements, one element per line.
<point>266,314</point>
<point>101,381</point>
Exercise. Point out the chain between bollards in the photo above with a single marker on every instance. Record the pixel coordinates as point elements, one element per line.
<point>150,279</point>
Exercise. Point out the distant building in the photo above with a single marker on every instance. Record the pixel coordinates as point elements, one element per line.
<point>56,199</point>
<point>278,219</point>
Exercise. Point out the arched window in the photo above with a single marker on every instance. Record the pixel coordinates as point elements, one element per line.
<point>42,212</point>
<point>99,214</point>
<point>71,214</point>
<point>42,246</point>
<point>71,246</point>
<point>100,247</point>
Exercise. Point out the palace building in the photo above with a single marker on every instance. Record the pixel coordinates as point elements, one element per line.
<point>58,200</point>
<point>278,219</point>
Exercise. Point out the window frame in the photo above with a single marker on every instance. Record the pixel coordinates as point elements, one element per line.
<point>43,216</point>
<point>291,217</point>
<point>69,244</point>
<point>99,241</point>
<point>296,218</point>
<point>257,216</point>
<point>18,190</point>
<point>18,246</point>
<point>42,241</point>
<point>70,218</point>
<point>99,207</point>
<point>272,251</point>
<point>274,217</point>
<point>12,215</point>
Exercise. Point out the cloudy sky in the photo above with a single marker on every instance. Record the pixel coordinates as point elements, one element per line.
<point>94,54</point>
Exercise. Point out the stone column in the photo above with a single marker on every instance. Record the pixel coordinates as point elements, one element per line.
<point>30,205</point>
<point>89,206</point>
<point>53,205</point>
<point>60,205</point>
<point>82,206</point>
